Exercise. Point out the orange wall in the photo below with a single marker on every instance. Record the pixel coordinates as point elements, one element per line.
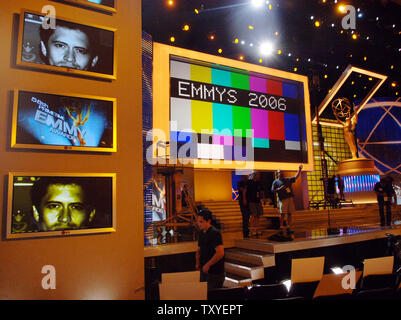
<point>212,185</point>
<point>102,266</point>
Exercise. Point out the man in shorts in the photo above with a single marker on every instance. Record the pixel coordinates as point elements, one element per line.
<point>254,196</point>
<point>283,187</point>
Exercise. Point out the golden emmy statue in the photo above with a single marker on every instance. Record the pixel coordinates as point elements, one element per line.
<point>75,107</point>
<point>347,115</point>
<point>344,114</point>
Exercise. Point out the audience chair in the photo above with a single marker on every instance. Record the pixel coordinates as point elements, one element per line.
<point>306,274</point>
<point>179,277</point>
<point>182,286</point>
<point>378,273</point>
<point>183,291</point>
<point>267,292</point>
<point>236,293</point>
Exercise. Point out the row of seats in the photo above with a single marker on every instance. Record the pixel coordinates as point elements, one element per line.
<point>307,281</point>
<point>369,287</point>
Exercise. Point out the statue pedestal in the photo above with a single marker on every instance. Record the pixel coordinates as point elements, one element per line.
<point>360,176</point>
<point>357,166</point>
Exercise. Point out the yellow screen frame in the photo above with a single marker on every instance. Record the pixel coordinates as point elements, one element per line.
<point>14,143</point>
<point>64,70</point>
<point>11,175</point>
<point>161,108</point>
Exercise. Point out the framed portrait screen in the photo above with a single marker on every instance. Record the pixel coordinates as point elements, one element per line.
<point>66,46</point>
<point>42,205</point>
<point>104,5</point>
<point>63,122</point>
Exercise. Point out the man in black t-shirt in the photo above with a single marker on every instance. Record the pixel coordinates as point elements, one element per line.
<point>210,253</point>
<point>241,186</point>
<point>385,191</point>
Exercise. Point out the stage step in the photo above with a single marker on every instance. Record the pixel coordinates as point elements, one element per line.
<point>246,270</point>
<point>233,280</point>
<point>253,244</point>
<point>250,256</point>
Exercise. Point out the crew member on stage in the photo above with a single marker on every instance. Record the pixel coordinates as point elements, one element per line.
<point>385,191</point>
<point>283,187</point>
<point>340,183</point>
<point>254,196</point>
<point>241,186</point>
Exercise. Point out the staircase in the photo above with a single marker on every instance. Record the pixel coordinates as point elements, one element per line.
<point>229,215</point>
<point>243,266</point>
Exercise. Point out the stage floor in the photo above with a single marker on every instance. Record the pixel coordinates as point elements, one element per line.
<point>303,239</point>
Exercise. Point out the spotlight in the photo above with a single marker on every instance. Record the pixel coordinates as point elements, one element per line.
<point>266,48</point>
<point>257,3</point>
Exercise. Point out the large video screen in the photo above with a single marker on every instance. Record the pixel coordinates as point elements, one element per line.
<point>228,114</point>
<point>51,121</point>
<point>64,204</point>
<point>233,114</point>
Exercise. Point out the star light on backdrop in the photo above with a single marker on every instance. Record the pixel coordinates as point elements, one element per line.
<point>308,35</point>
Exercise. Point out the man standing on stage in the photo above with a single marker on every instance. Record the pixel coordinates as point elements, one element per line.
<point>385,191</point>
<point>210,253</point>
<point>283,187</point>
<point>254,196</point>
<point>241,186</point>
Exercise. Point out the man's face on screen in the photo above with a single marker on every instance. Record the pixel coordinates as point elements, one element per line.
<point>63,207</point>
<point>69,48</point>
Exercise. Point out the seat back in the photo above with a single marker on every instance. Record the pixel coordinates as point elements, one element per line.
<point>377,281</point>
<point>267,292</point>
<point>307,269</point>
<point>383,265</point>
<point>236,293</point>
<point>376,294</point>
<point>180,277</point>
<point>183,291</point>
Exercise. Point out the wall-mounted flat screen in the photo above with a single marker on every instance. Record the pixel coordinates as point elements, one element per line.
<point>103,5</point>
<point>41,205</point>
<point>63,122</point>
<point>66,46</point>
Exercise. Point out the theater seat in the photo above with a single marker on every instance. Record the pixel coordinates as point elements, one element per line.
<point>267,292</point>
<point>343,296</point>
<point>378,281</point>
<point>303,289</point>
<point>376,294</point>
<point>237,293</point>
